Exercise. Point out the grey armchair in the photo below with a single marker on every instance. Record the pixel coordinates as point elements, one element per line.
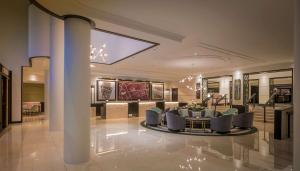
<point>175,122</point>
<point>221,124</point>
<point>153,118</point>
<point>243,120</point>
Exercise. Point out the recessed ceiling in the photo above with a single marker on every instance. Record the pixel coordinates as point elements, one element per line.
<point>109,48</point>
<point>226,35</point>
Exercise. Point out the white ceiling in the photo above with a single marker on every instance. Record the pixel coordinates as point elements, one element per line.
<point>195,36</point>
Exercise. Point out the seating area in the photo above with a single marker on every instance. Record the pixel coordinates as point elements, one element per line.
<point>200,120</point>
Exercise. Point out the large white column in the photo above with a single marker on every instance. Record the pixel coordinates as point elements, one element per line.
<point>296,133</point>
<point>76,91</point>
<point>56,97</point>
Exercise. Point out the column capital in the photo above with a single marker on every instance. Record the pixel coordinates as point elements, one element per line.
<point>92,23</point>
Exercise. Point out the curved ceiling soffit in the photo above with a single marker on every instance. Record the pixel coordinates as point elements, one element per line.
<point>140,26</point>
<point>119,20</point>
<point>63,17</point>
<point>93,25</point>
<point>127,22</point>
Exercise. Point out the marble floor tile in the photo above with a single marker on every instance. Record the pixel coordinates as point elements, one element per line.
<point>126,146</point>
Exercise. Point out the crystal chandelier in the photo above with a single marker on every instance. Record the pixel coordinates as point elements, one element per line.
<point>189,80</point>
<point>98,53</point>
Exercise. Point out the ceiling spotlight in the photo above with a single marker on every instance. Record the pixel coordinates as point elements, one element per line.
<point>104,45</point>
<point>105,54</point>
<point>92,66</point>
<point>32,78</point>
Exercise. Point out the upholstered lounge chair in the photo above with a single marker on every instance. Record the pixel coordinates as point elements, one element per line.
<point>231,111</point>
<point>221,124</point>
<point>243,120</point>
<point>153,117</point>
<point>175,122</point>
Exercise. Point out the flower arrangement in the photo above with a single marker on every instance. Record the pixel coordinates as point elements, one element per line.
<point>196,107</point>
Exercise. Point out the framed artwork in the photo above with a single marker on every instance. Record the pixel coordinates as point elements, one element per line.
<point>157,91</point>
<point>237,89</point>
<point>133,90</point>
<point>106,90</point>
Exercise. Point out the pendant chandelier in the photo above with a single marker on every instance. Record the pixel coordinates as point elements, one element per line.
<point>98,54</point>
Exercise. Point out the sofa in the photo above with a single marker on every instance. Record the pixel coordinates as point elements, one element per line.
<point>174,121</point>
<point>153,117</point>
<point>222,124</point>
<point>243,120</point>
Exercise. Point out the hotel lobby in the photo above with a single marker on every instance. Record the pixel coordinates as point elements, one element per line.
<point>130,85</point>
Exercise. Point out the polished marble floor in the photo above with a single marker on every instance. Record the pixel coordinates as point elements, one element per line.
<point>123,145</point>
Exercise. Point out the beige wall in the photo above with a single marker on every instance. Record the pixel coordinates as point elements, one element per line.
<point>184,94</point>
<point>33,92</point>
<point>13,46</point>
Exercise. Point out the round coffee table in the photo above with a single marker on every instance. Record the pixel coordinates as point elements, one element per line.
<point>202,120</point>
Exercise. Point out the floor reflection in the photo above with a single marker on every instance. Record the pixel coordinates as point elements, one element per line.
<point>125,145</point>
<point>248,152</point>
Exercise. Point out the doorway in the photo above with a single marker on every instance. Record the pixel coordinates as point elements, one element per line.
<point>34,90</point>
<point>5,102</point>
<point>254,89</point>
<point>284,88</point>
<point>174,94</point>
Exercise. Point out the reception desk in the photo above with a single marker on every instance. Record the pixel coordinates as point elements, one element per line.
<point>118,110</point>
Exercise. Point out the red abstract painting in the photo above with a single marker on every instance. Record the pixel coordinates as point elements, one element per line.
<point>131,90</point>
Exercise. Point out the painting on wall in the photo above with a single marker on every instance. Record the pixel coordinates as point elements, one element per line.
<point>237,89</point>
<point>133,90</point>
<point>157,90</point>
<point>106,90</point>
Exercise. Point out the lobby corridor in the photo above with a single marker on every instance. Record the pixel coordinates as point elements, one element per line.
<point>126,146</point>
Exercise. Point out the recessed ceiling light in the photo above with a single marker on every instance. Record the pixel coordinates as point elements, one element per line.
<point>92,66</point>
<point>105,54</point>
<point>104,45</point>
<point>32,78</point>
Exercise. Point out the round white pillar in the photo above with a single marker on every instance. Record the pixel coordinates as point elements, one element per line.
<point>76,91</point>
<point>56,97</point>
<point>296,129</point>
